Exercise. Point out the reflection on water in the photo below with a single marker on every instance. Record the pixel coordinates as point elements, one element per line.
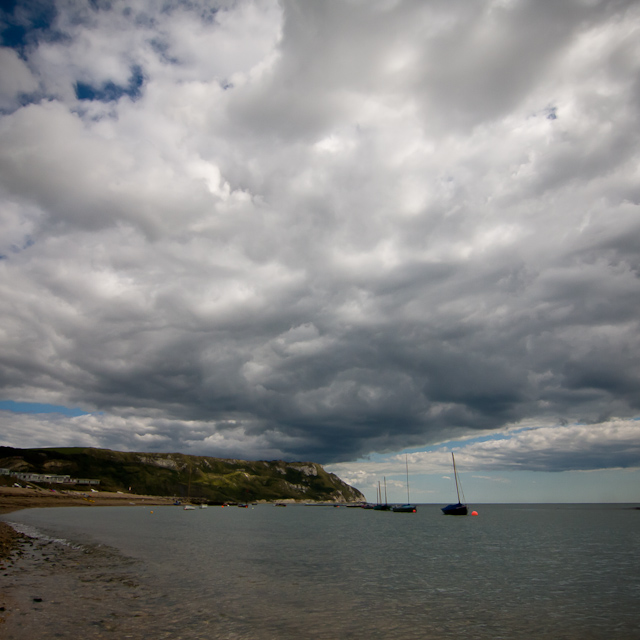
<point>545,571</point>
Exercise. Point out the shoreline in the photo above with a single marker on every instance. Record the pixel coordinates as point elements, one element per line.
<point>10,541</point>
<point>54,590</point>
<point>86,590</point>
<point>14,499</point>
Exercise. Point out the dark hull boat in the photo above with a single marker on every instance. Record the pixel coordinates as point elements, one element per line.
<point>458,509</point>
<point>405,508</point>
<point>455,510</point>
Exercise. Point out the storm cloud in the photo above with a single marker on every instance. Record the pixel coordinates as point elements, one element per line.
<point>319,230</point>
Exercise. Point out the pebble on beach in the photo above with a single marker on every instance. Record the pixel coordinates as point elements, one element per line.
<point>9,540</point>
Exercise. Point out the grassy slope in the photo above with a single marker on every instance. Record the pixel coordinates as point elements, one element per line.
<point>175,474</point>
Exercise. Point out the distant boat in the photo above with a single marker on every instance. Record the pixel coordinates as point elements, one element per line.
<point>243,506</point>
<point>380,506</point>
<point>280,504</point>
<point>406,508</point>
<point>189,507</point>
<point>458,509</point>
<point>204,506</point>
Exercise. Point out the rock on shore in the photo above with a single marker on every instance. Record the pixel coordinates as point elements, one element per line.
<point>9,540</point>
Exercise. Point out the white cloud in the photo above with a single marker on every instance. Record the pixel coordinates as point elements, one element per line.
<point>348,228</point>
<point>16,78</point>
<point>549,448</point>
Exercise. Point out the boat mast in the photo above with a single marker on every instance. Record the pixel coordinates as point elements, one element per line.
<point>406,462</point>
<point>385,490</point>
<point>455,474</point>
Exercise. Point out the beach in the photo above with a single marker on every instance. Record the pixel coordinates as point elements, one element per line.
<point>516,571</point>
<point>14,498</point>
<point>44,579</point>
<point>52,590</point>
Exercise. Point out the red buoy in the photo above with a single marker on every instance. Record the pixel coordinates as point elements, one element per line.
<point>474,513</point>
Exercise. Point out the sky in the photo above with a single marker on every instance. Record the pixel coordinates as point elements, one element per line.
<point>361,233</point>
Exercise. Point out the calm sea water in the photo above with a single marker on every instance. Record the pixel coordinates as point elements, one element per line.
<point>532,571</point>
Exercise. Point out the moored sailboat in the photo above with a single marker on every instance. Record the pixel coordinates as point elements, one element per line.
<point>459,509</point>
<point>382,506</point>
<point>406,508</point>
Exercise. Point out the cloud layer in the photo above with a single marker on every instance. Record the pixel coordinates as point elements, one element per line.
<point>319,230</point>
<point>570,448</point>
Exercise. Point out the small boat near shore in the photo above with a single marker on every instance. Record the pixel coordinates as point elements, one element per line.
<point>188,507</point>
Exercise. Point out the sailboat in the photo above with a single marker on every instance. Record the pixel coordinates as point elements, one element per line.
<point>380,506</point>
<point>406,508</point>
<point>458,509</point>
<point>189,507</point>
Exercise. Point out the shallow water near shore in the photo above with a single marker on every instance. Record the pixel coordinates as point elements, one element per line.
<point>543,571</point>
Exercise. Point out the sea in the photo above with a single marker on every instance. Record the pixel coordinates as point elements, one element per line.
<point>561,571</point>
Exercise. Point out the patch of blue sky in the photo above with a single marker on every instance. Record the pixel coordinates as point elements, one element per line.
<point>37,407</point>
<point>24,21</point>
<point>109,91</point>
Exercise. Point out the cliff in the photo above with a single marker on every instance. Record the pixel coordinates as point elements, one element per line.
<point>174,474</point>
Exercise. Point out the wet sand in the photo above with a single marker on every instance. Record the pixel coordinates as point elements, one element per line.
<point>51,589</point>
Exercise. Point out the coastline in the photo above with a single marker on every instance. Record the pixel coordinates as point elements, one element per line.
<point>15,498</point>
<point>9,540</point>
<point>51,589</point>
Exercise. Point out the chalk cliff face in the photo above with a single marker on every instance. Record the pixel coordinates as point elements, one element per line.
<point>197,477</point>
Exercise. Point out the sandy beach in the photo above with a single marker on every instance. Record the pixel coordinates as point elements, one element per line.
<point>51,590</point>
<point>14,498</point>
<point>43,580</point>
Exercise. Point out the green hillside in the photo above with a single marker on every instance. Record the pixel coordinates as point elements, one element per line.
<point>175,474</point>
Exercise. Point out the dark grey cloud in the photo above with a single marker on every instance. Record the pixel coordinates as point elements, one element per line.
<point>320,230</point>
